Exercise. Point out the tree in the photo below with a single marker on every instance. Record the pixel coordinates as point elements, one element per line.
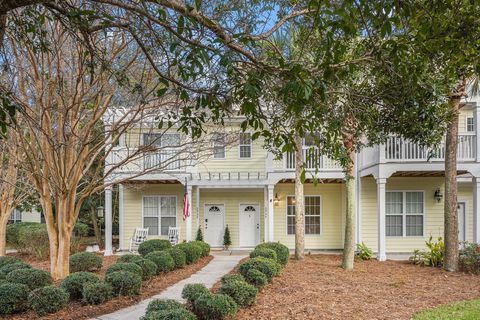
<point>227,241</point>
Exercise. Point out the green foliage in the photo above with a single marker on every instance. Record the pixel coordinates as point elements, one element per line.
<point>199,236</point>
<point>232,277</point>
<point>124,283</point>
<point>469,258</point>
<point>162,259</point>
<point>171,314</point>
<point>75,282</point>
<point>282,251</point>
<point>433,256</point>
<point>32,278</point>
<point>364,252</point>
<point>227,241</point>
<point>179,257</point>
<point>47,300</point>
<point>192,252</point>
<point>153,245</point>
<point>149,268</point>
<point>464,310</point>
<point>162,305</point>
<point>125,266</point>
<point>191,292</point>
<point>85,261</point>
<point>129,258</point>
<point>81,229</point>
<point>264,252</point>
<point>256,278</point>
<point>243,293</point>
<point>13,231</point>
<point>33,239</point>
<point>13,298</point>
<point>9,260</point>
<point>11,267</point>
<point>205,247</point>
<point>215,306</point>
<point>268,267</point>
<point>96,293</point>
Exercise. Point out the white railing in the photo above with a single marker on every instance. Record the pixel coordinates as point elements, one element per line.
<point>165,160</point>
<point>312,160</point>
<point>130,160</point>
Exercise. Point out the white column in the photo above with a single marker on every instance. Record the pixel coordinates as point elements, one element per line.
<point>476,120</point>
<point>188,221</point>
<point>270,212</point>
<point>265,214</point>
<point>108,221</point>
<point>198,208</point>
<point>381,184</point>
<point>121,217</point>
<point>476,209</point>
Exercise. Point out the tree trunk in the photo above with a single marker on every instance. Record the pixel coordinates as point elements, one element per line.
<point>349,244</point>
<point>299,201</point>
<point>3,233</point>
<point>96,229</point>
<point>451,214</point>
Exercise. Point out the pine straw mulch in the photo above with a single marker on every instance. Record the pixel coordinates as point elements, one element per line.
<point>76,310</point>
<point>317,288</point>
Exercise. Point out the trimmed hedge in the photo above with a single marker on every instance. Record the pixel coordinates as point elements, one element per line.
<point>232,277</point>
<point>162,259</point>
<point>5,270</point>
<point>162,305</point>
<point>9,260</point>
<point>179,257</point>
<point>282,251</point>
<point>256,278</point>
<point>85,261</point>
<point>191,292</point>
<point>243,293</point>
<point>204,246</point>
<point>173,314</point>
<point>215,306</point>
<point>33,239</point>
<point>48,300</point>
<point>96,293</point>
<point>192,251</point>
<point>13,232</point>
<point>149,268</point>
<point>124,283</point>
<point>75,282</point>
<point>125,266</point>
<point>264,252</point>
<point>129,258</point>
<point>13,298</point>
<point>267,266</point>
<point>32,278</point>
<point>153,245</point>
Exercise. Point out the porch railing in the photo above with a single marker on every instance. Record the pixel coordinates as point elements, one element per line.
<point>312,159</point>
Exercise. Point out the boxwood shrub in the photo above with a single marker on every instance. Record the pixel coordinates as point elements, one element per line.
<point>268,267</point>
<point>232,277</point>
<point>256,278</point>
<point>85,261</point>
<point>6,269</point>
<point>264,252</point>
<point>96,293</point>
<point>13,298</point>
<point>204,246</point>
<point>243,293</point>
<point>215,306</point>
<point>162,259</point>
<point>153,245</point>
<point>48,299</point>
<point>149,268</point>
<point>125,266</point>
<point>124,283</point>
<point>192,291</point>
<point>162,305</point>
<point>75,282</point>
<point>192,251</point>
<point>9,260</point>
<point>179,257</point>
<point>32,278</point>
<point>172,314</point>
<point>129,258</point>
<point>282,251</point>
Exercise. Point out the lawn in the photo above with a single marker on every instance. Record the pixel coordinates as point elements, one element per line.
<point>465,310</point>
<point>317,288</point>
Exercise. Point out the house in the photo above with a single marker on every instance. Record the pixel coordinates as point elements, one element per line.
<point>400,191</point>
<point>25,216</point>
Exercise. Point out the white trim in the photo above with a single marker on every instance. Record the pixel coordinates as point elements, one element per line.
<point>404,213</point>
<point>321,215</point>
<point>159,216</point>
<point>223,218</point>
<point>121,217</point>
<point>259,219</point>
<point>240,145</point>
<point>465,218</point>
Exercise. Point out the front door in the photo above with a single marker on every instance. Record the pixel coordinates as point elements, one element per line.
<point>249,225</point>
<point>461,222</point>
<point>214,214</point>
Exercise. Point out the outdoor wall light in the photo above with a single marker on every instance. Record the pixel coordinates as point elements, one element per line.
<point>276,200</point>
<point>438,195</point>
<point>100,212</point>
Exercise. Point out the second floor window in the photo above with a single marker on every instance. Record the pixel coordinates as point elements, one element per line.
<point>312,215</point>
<point>218,145</point>
<point>404,213</point>
<point>245,145</point>
<point>161,140</point>
<point>470,124</point>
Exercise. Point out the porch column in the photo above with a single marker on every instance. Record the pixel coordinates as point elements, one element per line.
<point>381,183</point>
<point>476,209</point>
<point>188,221</point>
<point>270,212</point>
<point>108,221</point>
<point>476,121</point>
<point>198,209</point>
<point>121,217</point>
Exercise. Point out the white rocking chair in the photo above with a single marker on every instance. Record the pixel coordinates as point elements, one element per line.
<point>173,235</point>
<point>139,236</point>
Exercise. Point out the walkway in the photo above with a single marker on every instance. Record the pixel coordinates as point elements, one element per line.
<point>208,275</point>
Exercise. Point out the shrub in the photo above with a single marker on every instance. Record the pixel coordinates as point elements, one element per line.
<point>81,229</point>
<point>74,283</point>
<point>192,291</point>
<point>232,277</point>
<point>129,258</point>
<point>153,245</point>
<point>162,259</point>
<point>227,241</point>
<point>243,293</point>
<point>433,256</point>
<point>33,240</point>
<point>96,293</point>
<point>13,231</point>
<point>125,266</point>
<point>192,252</point>
<point>179,257</point>
<point>364,252</point>
<point>215,306</point>
<point>256,278</point>
<point>48,300</point>
<point>204,246</point>
<point>282,251</point>
<point>172,314</point>
<point>11,267</point>
<point>162,305</point>
<point>149,268</point>
<point>124,283</point>
<point>264,252</point>
<point>85,261</point>
<point>9,260</point>
<point>13,298</point>
<point>32,278</point>
<point>469,258</point>
<point>199,236</point>
<point>268,267</point>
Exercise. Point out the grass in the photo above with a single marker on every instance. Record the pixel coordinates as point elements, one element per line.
<point>464,310</point>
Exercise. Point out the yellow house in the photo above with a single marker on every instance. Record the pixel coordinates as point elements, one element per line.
<point>239,184</point>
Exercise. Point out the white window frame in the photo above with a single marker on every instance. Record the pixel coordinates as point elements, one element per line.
<point>159,217</point>
<point>466,123</point>
<point>245,145</point>
<point>321,215</point>
<point>405,214</point>
<point>17,216</point>
<point>161,138</point>
<point>224,145</point>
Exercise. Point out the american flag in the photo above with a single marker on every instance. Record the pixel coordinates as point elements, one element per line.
<point>186,213</point>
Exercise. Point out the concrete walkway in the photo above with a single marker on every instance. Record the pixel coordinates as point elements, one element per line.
<point>210,274</point>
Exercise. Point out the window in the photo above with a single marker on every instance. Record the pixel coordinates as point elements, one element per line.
<point>470,124</point>
<point>16,216</point>
<point>312,215</point>
<point>245,145</point>
<point>218,145</point>
<point>159,213</point>
<point>161,139</point>
<point>404,213</point>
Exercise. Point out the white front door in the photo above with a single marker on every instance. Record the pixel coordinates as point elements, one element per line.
<point>214,215</point>
<point>249,225</point>
<point>461,222</point>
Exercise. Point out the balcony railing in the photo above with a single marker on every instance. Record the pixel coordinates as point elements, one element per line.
<point>165,160</point>
<point>312,159</point>
<point>130,160</point>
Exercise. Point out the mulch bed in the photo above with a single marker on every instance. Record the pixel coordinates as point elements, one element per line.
<point>317,288</point>
<point>76,310</point>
